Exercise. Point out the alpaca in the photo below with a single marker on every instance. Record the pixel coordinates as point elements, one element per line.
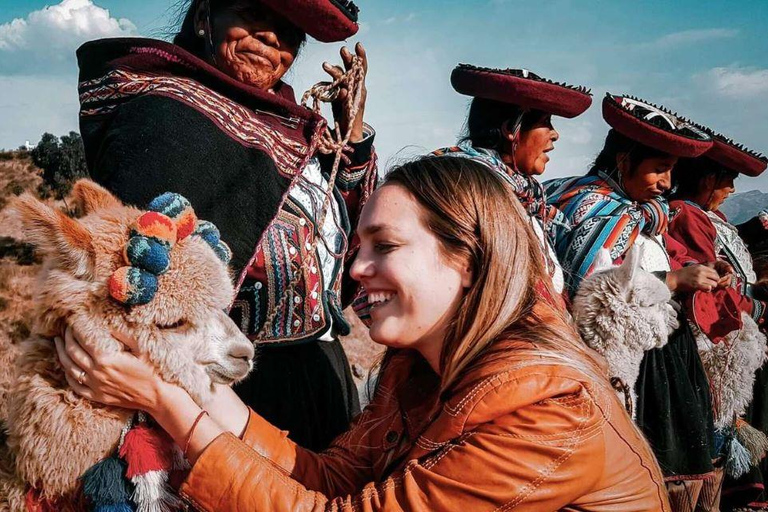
<point>53,435</point>
<point>621,312</point>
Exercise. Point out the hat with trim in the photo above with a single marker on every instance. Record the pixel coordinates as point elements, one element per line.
<point>734,156</point>
<point>523,88</point>
<point>655,126</point>
<point>327,21</point>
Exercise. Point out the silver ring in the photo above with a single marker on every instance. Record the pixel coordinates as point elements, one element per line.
<point>81,377</point>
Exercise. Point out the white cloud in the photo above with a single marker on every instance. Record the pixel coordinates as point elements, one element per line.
<point>45,41</point>
<point>688,37</point>
<point>737,82</point>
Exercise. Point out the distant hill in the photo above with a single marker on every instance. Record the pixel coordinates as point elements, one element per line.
<point>742,207</point>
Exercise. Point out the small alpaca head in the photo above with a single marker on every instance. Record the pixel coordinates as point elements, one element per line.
<point>624,304</point>
<point>184,330</point>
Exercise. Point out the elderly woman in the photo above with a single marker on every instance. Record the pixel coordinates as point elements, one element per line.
<point>729,321</point>
<point>209,117</point>
<point>509,128</point>
<point>487,399</point>
<point>617,205</point>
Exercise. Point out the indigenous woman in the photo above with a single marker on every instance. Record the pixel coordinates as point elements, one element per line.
<point>617,205</point>
<point>209,117</point>
<point>510,129</point>
<point>487,399</point>
<point>727,321</point>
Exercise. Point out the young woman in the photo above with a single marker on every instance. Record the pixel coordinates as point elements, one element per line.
<point>617,205</point>
<point>210,117</point>
<point>509,128</point>
<point>487,399</point>
<point>728,320</point>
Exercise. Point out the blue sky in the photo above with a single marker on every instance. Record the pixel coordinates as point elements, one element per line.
<point>707,60</point>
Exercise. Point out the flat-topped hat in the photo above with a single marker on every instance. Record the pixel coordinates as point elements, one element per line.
<point>655,126</point>
<point>733,156</point>
<point>325,20</point>
<point>523,88</point>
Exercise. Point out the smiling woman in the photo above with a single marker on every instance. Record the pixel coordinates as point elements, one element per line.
<point>211,118</point>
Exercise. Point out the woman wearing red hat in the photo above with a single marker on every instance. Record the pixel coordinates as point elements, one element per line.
<point>617,205</point>
<point>729,321</point>
<point>509,128</point>
<point>209,117</point>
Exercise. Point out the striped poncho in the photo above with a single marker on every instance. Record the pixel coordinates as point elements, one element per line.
<point>601,215</point>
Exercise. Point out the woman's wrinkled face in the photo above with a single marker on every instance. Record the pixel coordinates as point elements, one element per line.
<point>414,290</point>
<point>253,44</point>
<point>649,179</point>
<point>531,154</point>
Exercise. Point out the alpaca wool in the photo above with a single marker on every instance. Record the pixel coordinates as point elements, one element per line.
<point>132,286</point>
<point>178,208</point>
<point>148,254</point>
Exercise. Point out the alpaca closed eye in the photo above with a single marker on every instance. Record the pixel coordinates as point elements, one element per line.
<point>175,325</point>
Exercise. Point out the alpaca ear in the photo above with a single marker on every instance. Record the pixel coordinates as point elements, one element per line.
<point>631,264</point>
<point>56,235</point>
<point>90,197</point>
<point>603,260</point>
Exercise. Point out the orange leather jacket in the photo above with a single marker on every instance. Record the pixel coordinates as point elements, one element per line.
<point>511,435</point>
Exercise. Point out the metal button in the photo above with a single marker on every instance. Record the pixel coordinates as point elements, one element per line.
<point>258,285</point>
<point>314,295</point>
<point>292,250</point>
<point>308,246</point>
<point>316,318</point>
<point>302,222</point>
<point>297,299</point>
<point>296,323</point>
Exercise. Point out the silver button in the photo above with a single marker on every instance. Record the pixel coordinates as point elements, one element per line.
<point>316,318</point>
<point>296,323</point>
<point>258,285</point>
<point>297,299</point>
<point>292,251</point>
<point>308,246</point>
<point>302,222</point>
<point>314,295</point>
<point>313,270</point>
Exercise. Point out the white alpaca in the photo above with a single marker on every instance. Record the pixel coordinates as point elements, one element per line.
<point>622,311</point>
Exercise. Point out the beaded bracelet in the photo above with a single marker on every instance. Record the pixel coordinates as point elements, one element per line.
<point>192,431</point>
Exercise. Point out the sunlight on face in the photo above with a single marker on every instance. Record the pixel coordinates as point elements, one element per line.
<point>414,289</point>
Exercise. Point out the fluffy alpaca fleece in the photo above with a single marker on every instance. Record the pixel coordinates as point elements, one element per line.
<point>731,366</point>
<point>623,311</point>
<point>54,435</point>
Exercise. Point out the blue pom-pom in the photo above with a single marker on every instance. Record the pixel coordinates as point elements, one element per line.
<point>149,254</point>
<point>104,484</point>
<point>208,232</point>
<point>223,251</point>
<point>170,204</point>
<point>119,507</point>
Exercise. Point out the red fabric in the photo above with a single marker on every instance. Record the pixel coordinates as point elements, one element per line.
<point>526,92</point>
<point>321,19</point>
<point>652,136</point>
<point>147,449</point>
<point>736,159</point>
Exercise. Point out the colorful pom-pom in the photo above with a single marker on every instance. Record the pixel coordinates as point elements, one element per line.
<point>178,208</point>
<point>147,449</point>
<point>156,225</point>
<point>132,286</point>
<point>208,232</point>
<point>149,254</point>
<point>223,251</point>
<point>104,484</point>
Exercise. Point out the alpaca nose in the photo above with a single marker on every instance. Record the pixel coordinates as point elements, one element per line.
<point>242,350</point>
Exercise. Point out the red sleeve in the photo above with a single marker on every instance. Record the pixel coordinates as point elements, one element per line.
<point>691,227</point>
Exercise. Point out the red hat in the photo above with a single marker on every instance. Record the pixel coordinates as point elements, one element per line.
<point>734,157</point>
<point>325,20</point>
<point>654,126</point>
<point>523,88</point>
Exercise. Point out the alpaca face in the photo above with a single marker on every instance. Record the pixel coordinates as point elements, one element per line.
<point>184,330</point>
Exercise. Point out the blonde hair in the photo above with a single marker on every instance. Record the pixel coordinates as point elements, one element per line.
<point>477,219</point>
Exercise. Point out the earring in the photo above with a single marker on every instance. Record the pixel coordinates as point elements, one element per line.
<point>201,32</point>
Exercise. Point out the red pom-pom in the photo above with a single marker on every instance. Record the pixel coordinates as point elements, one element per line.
<point>147,449</point>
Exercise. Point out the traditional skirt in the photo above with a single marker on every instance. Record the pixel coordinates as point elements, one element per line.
<point>306,389</point>
<point>674,408</point>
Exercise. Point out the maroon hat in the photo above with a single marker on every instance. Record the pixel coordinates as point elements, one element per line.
<point>734,157</point>
<point>325,20</point>
<point>523,88</point>
<point>654,126</point>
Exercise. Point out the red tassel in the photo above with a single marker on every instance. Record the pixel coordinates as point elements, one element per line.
<point>147,449</point>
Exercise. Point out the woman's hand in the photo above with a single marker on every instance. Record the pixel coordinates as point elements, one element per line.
<point>340,110</point>
<point>692,278</point>
<point>117,379</point>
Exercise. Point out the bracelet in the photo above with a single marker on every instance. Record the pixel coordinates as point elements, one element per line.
<point>192,431</point>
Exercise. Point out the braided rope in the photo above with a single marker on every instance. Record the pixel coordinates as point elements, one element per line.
<point>331,142</point>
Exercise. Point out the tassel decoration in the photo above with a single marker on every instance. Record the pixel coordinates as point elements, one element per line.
<point>738,460</point>
<point>755,441</point>
<point>105,487</point>
<point>152,493</point>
